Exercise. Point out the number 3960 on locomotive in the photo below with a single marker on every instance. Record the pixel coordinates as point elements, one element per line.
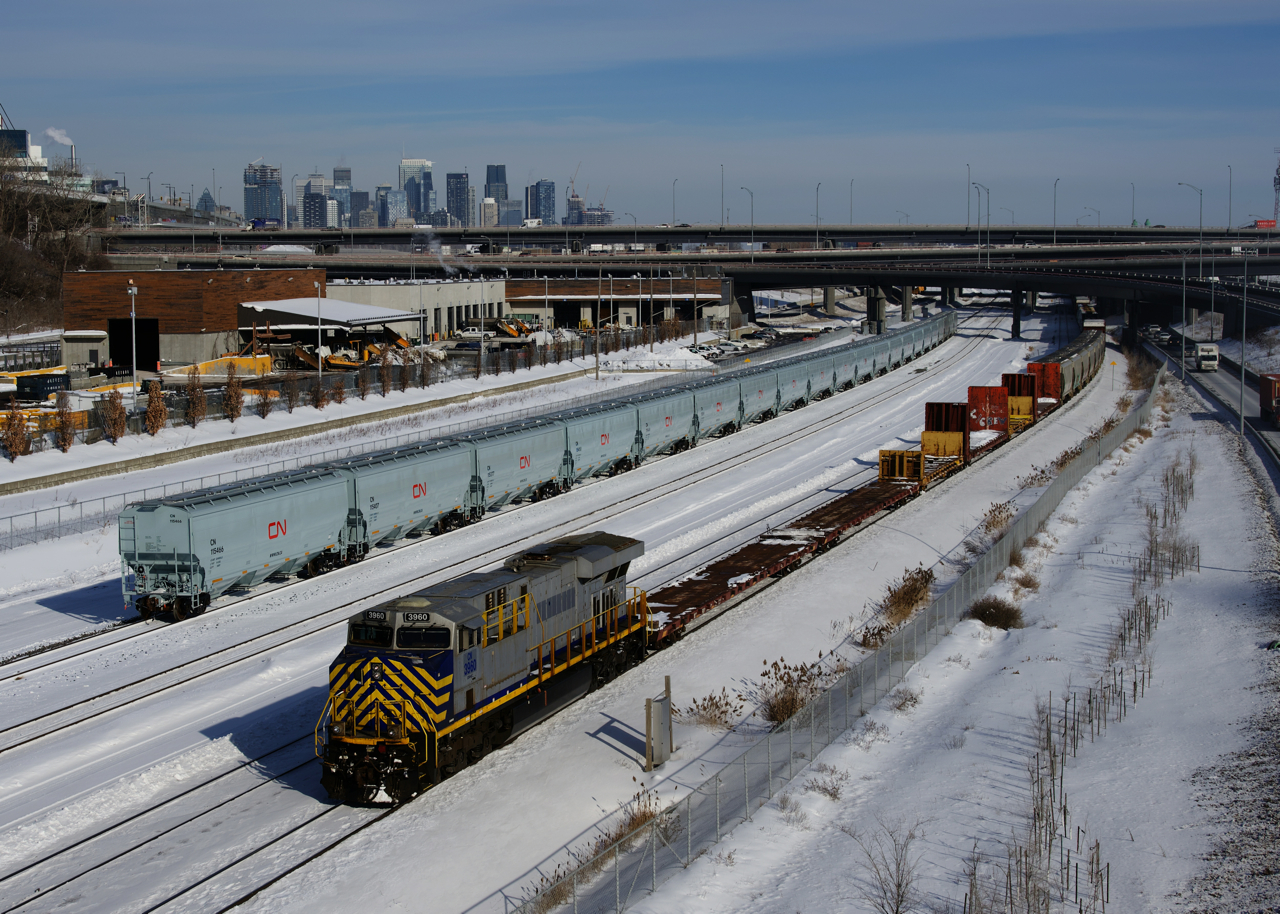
<point>430,682</point>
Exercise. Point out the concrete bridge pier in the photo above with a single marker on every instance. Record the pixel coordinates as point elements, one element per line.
<point>876,308</point>
<point>829,300</point>
<point>907,295</point>
<point>1016,297</point>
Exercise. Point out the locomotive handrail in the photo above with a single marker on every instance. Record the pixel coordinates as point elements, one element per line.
<point>321,741</point>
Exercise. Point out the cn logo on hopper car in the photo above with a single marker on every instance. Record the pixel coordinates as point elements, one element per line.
<point>419,489</point>
<point>526,462</point>
<point>604,439</point>
<point>275,528</point>
<point>668,422</point>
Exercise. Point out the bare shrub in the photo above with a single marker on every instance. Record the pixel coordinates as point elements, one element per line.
<point>868,735</point>
<point>954,741</point>
<point>17,440</point>
<point>289,389</point>
<point>362,383</point>
<point>65,430</point>
<point>786,688</point>
<point>792,814</point>
<point>114,418</point>
<point>874,634</point>
<point>1016,558</point>
<point>157,415</point>
<point>233,397</point>
<point>426,370</point>
<point>319,395</point>
<point>996,612</point>
<point>1062,460</point>
<point>196,405</point>
<point>890,883</point>
<point>905,595</point>
<point>827,780</point>
<point>904,699</point>
<point>406,373</point>
<point>338,393</point>
<point>717,712</point>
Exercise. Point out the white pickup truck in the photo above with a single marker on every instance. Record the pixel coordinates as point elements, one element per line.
<point>1207,356</point>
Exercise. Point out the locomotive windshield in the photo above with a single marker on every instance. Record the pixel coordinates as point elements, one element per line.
<point>440,639</point>
<point>370,635</point>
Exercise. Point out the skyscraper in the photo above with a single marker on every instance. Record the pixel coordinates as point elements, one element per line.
<point>419,194</point>
<point>315,210</point>
<point>380,203</point>
<point>489,212</point>
<point>397,206</point>
<point>471,206</point>
<point>540,202</point>
<point>263,192</point>
<point>458,197</point>
<point>206,204</point>
<point>341,176</point>
<point>495,183</point>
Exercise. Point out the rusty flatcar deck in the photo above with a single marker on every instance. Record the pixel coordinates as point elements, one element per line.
<point>774,553</point>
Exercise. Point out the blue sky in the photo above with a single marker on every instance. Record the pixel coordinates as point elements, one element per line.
<point>897,97</point>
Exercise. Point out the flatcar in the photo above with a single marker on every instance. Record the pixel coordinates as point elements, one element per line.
<point>430,682</point>
<point>180,553</point>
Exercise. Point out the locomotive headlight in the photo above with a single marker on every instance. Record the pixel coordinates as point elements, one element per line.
<point>375,671</point>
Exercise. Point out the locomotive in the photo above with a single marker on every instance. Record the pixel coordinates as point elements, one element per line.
<point>430,682</point>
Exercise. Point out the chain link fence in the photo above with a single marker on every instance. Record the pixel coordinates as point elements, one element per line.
<point>638,863</point>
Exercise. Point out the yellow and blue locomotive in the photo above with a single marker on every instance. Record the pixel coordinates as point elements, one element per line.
<point>428,683</point>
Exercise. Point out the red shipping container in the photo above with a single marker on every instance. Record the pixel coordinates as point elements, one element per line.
<point>1048,379</point>
<point>988,410</point>
<point>945,417</point>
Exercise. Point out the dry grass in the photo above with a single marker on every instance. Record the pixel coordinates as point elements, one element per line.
<point>1037,476</point>
<point>1016,557</point>
<point>792,814</point>
<point>716,712</point>
<point>868,735</point>
<point>786,688</point>
<point>997,519</point>
<point>905,595</point>
<point>1027,581</point>
<point>996,612</point>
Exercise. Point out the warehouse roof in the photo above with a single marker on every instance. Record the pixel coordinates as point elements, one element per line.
<point>333,311</point>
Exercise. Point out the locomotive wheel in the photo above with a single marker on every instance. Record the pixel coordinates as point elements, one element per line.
<point>182,609</point>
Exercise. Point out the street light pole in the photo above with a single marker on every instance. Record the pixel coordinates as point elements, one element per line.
<point>1229,197</point>
<point>133,338</point>
<point>908,215</point>
<point>673,202</point>
<point>722,196</point>
<point>319,338</point>
<point>1244,317</point>
<point>1098,213</point>
<point>753,224</point>
<point>981,188</point>
<point>1013,219</point>
<point>1055,209</point>
<point>1133,204</point>
<point>149,174</point>
<point>968,179</point>
<point>815,215</point>
<point>1183,344</point>
<point>851,201</point>
<point>1201,193</point>
<point>635,228</point>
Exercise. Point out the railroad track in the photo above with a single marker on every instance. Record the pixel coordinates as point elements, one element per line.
<point>41,725</point>
<point>145,846</point>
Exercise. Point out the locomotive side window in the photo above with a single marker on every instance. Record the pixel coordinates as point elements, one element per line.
<point>370,635</point>
<point>440,639</point>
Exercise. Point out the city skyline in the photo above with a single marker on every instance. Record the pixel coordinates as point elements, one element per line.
<point>897,101</point>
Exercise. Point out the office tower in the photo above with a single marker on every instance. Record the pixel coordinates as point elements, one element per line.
<point>510,212</point>
<point>367,218</point>
<point>359,203</point>
<point>315,210</point>
<point>397,206</point>
<point>312,184</point>
<point>495,183</point>
<point>419,172</point>
<point>380,203</point>
<point>540,202</point>
<point>458,196</point>
<point>341,195</point>
<point>206,204</point>
<point>341,176</point>
<point>263,193</point>
<point>472,212</point>
<point>332,216</point>
<point>489,212</point>
<point>574,210</point>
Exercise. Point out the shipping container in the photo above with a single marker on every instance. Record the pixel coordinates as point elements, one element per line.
<point>1023,403</point>
<point>946,430</point>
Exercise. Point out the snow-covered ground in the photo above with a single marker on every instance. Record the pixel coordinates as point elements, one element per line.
<point>486,831</point>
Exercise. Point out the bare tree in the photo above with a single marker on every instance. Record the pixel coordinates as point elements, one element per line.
<point>233,399</point>
<point>890,882</point>
<point>114,418</point>
<point>339,392</point>
<point>262,405</point>
<point>157,415</point>
<point>17,441</point>
<point>384,371</point>
<point>290,390</point>
<point>319,395</point>
<point>362,382</point>
<point>65,434</point>
<point>196,404</point>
